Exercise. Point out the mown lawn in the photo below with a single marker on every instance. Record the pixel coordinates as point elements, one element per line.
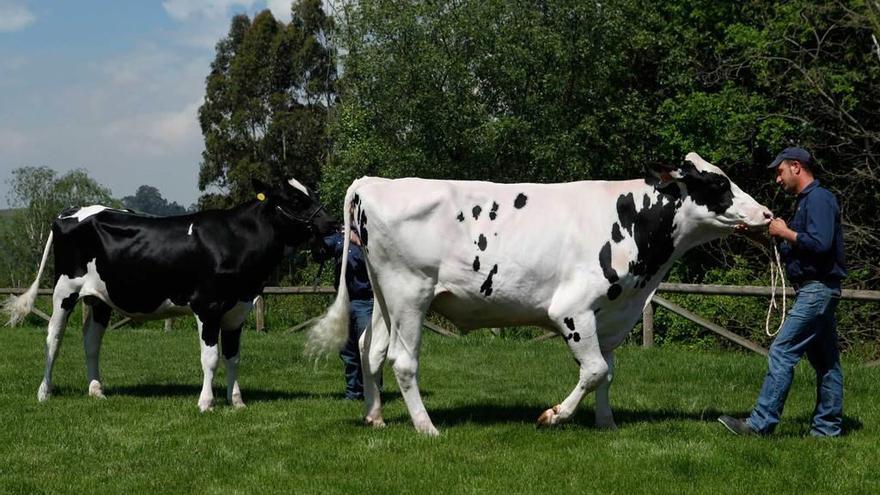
<point>299,436</point>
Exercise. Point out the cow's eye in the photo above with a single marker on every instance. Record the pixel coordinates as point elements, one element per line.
<point>718,185</point>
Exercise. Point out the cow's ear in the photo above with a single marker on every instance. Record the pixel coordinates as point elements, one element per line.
<point>663,172</point>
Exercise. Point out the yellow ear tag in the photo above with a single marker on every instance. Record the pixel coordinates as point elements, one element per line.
<point>261,196</point>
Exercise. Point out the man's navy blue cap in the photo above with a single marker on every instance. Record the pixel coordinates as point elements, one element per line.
<point>793,153</point>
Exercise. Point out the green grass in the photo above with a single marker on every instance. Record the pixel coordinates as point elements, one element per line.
<point>299,436</point>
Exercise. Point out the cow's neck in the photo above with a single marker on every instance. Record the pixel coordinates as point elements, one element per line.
<point>690,232</point>
<point>663,223</point>
<point>265,242</point>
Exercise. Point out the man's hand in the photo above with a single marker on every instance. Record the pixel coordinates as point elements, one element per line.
<point>355,239</point>
<point>778,228</point>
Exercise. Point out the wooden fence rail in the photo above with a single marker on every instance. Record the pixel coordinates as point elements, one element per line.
<point>647,315</point>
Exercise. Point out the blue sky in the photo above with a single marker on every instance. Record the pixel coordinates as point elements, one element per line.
<point>111,87</point>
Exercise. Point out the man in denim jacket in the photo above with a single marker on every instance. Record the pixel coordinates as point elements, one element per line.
<point>812,248</point>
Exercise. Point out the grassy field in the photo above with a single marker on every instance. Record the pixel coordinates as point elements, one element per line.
<point>299,436</point>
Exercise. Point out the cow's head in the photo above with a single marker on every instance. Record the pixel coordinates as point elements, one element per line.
<point>295,209</point>
<point>711,199</point>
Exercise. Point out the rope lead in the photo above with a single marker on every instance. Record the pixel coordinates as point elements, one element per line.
<point>776,272</point>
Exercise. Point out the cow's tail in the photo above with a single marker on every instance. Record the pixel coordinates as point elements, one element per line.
<point>19,307</point>
<point>330,333</point>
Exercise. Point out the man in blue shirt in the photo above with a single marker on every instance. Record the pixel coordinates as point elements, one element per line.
<point>812,248</point>
<point>361,311</point>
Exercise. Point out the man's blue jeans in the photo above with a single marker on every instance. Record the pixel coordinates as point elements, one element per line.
<point>810,328</point>
<point>359,317</point>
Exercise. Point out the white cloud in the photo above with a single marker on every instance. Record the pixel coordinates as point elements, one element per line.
<point>14,17</point>
<point>157,133</point>
<point>182,10</point>
<point>280,9</point>
<point>206,21</point>
<point>186,10</point>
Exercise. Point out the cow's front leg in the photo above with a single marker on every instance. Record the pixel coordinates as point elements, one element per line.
<point>374,349</point>
<point>209,334</point>
<point>580,333</point>
<point>231,340</point>
<point>604,416</point>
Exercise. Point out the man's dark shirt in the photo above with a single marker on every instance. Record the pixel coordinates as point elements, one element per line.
<point>818,252</point>
<point>356,278</point>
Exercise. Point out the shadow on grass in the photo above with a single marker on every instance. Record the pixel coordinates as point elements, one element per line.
<point>173,390</point>
<point>491,414</point>
<point>188,390</point>
<point>584,417</point>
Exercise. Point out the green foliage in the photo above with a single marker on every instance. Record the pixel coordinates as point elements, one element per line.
<point>40,195</point>
<point>743,315</point>
<point>298,435</point>
<point>266,104</point>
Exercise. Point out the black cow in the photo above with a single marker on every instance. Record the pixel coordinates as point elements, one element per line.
<point>212,264</point>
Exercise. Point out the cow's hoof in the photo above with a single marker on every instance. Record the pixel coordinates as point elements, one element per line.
<point>95,390</point>
<point>206,405</point>
<point>424,426</point>
<point>549,417</point>
<point>374,422</point>
<point>428,430</point>
<point>606,423</point>
<point>44,392</point>
<point>237,403</point>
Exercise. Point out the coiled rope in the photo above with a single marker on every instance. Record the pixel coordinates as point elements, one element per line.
<point>777,277</point>
<point>777,274</point>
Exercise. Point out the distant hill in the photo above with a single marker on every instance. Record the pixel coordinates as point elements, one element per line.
<point>8,212</point>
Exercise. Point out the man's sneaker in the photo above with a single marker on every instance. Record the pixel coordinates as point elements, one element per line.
<point>737,426</point>
<point>818,434</point>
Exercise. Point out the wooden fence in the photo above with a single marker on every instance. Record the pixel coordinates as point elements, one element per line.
<point>647,315</point>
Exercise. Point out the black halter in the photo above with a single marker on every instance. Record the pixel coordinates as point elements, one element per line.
<point>305,221</point>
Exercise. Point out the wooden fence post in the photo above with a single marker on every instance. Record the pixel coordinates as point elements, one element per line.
<point>168,324</point>
<point>648,326</point>
<point>259,315</point>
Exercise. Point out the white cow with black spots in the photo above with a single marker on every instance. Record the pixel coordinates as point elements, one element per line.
<point>581,258</point>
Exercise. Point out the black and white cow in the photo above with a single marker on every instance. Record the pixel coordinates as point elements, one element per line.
<point>212,264</point>
<point>582,258</point>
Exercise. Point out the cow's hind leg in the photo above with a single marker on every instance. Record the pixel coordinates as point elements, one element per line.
<point>209,335</point>
<point>579,330</point>
<point>374,349</point>
<point>231,340</point>
<point>406,316</point>
<point>93,333</point>
<point>63,300</point>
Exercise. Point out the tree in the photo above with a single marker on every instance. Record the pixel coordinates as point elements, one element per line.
<point>267,98</point>
<point>491,90</point>
<point>148,199</point>
<point>40,195</point>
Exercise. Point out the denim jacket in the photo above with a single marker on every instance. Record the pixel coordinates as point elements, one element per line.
<point>817,253</point>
